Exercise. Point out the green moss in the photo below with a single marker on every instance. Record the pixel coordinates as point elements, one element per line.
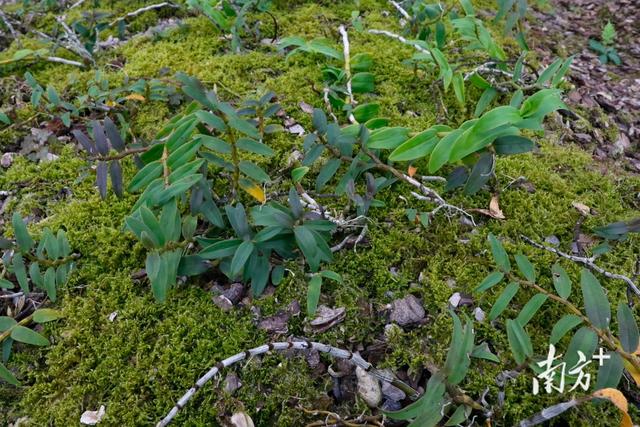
<point>140,363</point>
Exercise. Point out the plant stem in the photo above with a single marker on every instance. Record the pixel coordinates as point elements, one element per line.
<point>122,154</point>
<point>612,343</point>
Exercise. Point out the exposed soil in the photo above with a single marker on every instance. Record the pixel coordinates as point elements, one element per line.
<point>607,96</point>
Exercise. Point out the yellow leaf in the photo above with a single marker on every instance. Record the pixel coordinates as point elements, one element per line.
<point>618,399</point>
<point>135,97</point>
<point>256,192</point>
<point>633,371</point>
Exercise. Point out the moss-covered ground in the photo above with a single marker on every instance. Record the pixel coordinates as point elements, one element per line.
<point>138,364</point>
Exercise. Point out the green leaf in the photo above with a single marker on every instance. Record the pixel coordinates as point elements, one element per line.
<point>211,119</point>
<point>485,99</point>
<point>526,268</point>
<point>468,7</point>
<point>531,308</point>
<point>365,112</point>
<point>561,281</point>
<point>7,375</point>
<point>5,119</point>
<point>319,121</point>
<point>387,138</point>
<point>144,176</point>
<point>5,284</point>
<point>255,147</point>
<point>562,71</point>
<point>363,82</point>
<point>327,171</point>
<point>584,340</point>
<point>253,171</point>
<point>23,239</point>
<point>548,72</point>
<point>480,174</point>
<point>28,336</point>
<point>519,341</point>
<point>331,275</point>
<point>458,88</point>
<point>223,249</point>
<point>458,361</point>
<point>313,294</point>
<point>610,373</point>
<point>429,403</point>
<point>481,351</point>
<point>418,146</point>
<point>215,144</point>
<point>491,280</point>
<point>152,224</point>
<point>307,243</point>
<point>628,328</point>
<point>50,283</point>
<point>503,300</point>
<point>442,151</point>
<point>596,303</point>
<point>512,144</point>
<point>499,254</point>
<point>564,325</point>
<point>44,315</point>
<point>541,103</point>
<point>7,323</point>
<point>277,274</point>
<point>241,257</point>
<point>20,272</point>
<point>298,173</point>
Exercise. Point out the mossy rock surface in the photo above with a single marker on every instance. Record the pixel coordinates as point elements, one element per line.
<point>138,363</point>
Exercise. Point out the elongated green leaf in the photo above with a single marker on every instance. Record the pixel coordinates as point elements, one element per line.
<point>481,351</point>
<point>596,303</point>
<point>531,308</point>
<point>458,87</point>
<point>526,268</point>
<point>44,315</point>
<point>485,99</point>
<point>491,280</point>
<point>23,239</point>
<point>7,323</point>
<point>585,340</point>
<point>564,325</point>
<point>628,328</point>
<point>610,372</point>
<point>499,254</point>
<point>144,177</point>
<point>241,256</point>
<point>458,360</point>
<point>441,152</point>
<point>429,402</point>
<point>327,171</point>
<point>519,341</point>
<point>480,174</point>
<point>313,294</point>
<point>306,242</point>
<point>223,249</point>
<point>503,300</point>
<point>28,336</point>
<point>255,147</point>
<point>561,281</point>
<point>20,271</point>
<point>512,144</point>
<point>387,138</point>
<point>298,173</point>
<point>254,171</point>
<point>152,224</point>
<point>549,72</point>
<point>7,375</point>
<point>50,283</point>
<point>418,146</point>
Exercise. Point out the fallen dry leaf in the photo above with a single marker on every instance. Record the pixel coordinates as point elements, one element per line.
<point>494,207</point>
<point>412,171</point>
<point>327,317</point>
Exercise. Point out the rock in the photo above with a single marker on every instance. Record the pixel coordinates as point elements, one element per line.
<point>478,314</point>
<point>240,419</point>
<point>7,159</point>
<point>391,392</point>
<point>407,310</point>
<point>552,240</point>
<point>92,418</point>
<point>232,383</point>
<point>368,388</point>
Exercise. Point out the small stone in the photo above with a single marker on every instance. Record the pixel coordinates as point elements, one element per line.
<point>479,315</point>
<point>277,324</point>
<point>455,299</point>
<point>92,418</point>
<point>407,310</point>
<point>7,159</point>
<point>232,383</point>
<point>368,388</point>
<point>391,392</point>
